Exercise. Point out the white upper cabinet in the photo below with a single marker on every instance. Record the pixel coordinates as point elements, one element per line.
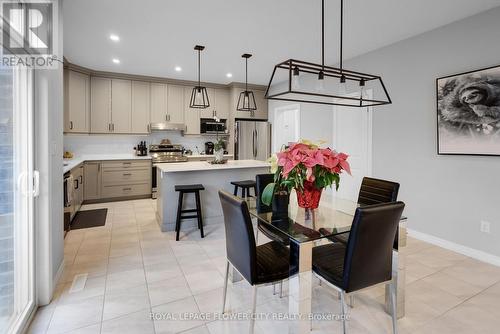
<point>210,111</point>
<point>175,103</point>
<point>77,102</point>
<point>100,106</point>
<point>191,115</point>
<point>159,103</point>
<point>121,106</point>
<point>141,101</point>
<point>222,103</point>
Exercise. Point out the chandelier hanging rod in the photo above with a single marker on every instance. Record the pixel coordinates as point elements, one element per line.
<point>333,71</point>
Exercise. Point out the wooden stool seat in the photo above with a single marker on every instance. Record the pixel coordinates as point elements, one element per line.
<point>245,186</point>
<point>188,189</point>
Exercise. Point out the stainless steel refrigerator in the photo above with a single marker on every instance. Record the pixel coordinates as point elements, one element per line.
<point>252,140</point>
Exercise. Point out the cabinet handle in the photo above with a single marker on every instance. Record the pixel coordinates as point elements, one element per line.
<point>98,167</point>
<point>149,129</point>
<point>109,127</point>
<point>71,125</point>
<point>76,184</point>
<point>113,125</point>
<point>127,174</point>
<point>81,179</point>
<point>127,189</point>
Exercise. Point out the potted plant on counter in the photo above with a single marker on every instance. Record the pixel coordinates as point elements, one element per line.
<point>219,150</point>
<point>307,168</point>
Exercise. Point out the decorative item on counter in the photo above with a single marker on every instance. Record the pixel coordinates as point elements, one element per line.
<point>219,150</point>
<point>218,162</point>
<point>68,155</point>
<point>307,168</point>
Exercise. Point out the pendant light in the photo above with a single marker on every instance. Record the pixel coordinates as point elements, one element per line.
<point>199,95</point>
<point>301,81</point>
<point>246,101</point>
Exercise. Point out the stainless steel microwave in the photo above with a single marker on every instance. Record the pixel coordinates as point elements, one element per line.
<point>209,125</point>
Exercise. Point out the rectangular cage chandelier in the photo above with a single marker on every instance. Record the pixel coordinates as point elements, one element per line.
<point>300,81</point>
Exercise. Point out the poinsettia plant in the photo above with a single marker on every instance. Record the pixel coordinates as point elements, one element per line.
<point>305,165</point>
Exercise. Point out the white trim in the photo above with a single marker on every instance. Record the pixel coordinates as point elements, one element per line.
<point>464,250</point>
<point>59,273</point>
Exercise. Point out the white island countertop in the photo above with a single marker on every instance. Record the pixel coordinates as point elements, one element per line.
<point>195,166</point>
<point>69,164</point>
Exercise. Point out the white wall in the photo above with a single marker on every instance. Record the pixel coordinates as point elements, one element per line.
<point>446,196</point>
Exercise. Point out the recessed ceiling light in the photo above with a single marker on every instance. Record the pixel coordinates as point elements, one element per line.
<point>116,60</point>
<point>114,37</point>
<point>178,68</point>
<point>229,75</point>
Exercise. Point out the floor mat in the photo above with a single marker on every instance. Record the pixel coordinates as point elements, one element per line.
<point>89,218</point>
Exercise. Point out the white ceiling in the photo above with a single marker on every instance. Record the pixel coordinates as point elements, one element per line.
<point>158,35</point>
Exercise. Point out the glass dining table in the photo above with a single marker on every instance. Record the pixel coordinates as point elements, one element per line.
<point>309,228</point>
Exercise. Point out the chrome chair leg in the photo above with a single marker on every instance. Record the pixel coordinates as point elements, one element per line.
<point>394,308</point>
<point>254,305</point>
<point>281,289</point>
<point>226,277</point>
<point>274,289</point>
<point>257,236</point>
<point>344,311</point>
<point>351,301</point>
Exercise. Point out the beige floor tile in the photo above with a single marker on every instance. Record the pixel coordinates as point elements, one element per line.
<point>92,329</point>
<point>204,281</point>
<point>77,314</point>
<point>174,310</point>
<point>450,284</point>
<point>197,330</point>
<point>169,290</point>
<point>120,302</point>
<point>161,271</point>
<point>138,322</point>
<point>125,279</point>
<point>125,263</point>
<point>435,297</point>
<point>477,273</point>
<point>94,287</point>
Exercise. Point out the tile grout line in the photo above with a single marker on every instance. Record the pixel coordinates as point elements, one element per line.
<point>139,234</point>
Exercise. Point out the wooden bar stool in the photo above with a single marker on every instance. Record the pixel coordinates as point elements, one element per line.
<point>188,189</point>
<point>245,186</point>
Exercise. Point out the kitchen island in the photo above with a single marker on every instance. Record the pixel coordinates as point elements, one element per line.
<point>213,178</point>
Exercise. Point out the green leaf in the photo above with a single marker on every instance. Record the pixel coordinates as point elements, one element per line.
<point>268,193</point>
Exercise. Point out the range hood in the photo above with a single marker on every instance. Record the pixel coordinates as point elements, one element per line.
<point>167,127</point>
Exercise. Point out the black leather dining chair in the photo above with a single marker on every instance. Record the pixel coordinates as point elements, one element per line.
<point>259,265</point>
<point>373,191</point>
<point>261,181</point>
<point>366,259</point>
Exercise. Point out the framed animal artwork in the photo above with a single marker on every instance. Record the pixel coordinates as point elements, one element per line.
<point>468,111</point>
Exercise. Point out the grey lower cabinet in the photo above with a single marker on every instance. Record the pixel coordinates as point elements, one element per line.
<point>115,180</point>
<point>78,188</point>
<point>92,178</point>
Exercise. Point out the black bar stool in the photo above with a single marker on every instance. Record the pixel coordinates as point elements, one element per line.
<point>245,186</point>
<point>187,189</point>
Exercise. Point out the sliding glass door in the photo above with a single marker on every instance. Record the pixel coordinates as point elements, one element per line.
<point>18,188</point>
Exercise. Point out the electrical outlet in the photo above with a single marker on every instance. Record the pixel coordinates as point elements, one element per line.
<point>485,226</point>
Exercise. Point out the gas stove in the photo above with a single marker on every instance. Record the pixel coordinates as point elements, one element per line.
<point>166,153</point>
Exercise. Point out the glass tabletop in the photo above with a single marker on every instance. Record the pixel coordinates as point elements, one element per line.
<point>332,217</point>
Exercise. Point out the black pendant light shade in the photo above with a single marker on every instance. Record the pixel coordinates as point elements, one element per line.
<point>199,95</point>
<point>301,81</point>
<point>246,100</point>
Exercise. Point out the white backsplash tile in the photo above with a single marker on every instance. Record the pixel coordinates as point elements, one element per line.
<point>102,144</point>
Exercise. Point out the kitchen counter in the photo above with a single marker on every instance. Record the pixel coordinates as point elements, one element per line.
<point>206,156</point>
<point>213,178</point>
<point>72,163</point>
<point>198,166</point>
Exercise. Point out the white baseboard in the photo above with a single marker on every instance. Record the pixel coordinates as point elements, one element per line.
<point>58,275</point>
<point>464,250</point>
